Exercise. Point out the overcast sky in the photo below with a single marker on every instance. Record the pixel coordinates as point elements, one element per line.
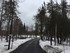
<point>28,9</point>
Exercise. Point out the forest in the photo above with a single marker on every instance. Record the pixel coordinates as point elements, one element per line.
<point>52,22</point>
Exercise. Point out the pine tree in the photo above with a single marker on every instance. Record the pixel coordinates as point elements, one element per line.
<point>40,18</point>
<point>2,9</point>
<point>9,15</point>
<point>36,29</point>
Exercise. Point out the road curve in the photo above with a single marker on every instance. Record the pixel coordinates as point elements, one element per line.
<point>31,46</point>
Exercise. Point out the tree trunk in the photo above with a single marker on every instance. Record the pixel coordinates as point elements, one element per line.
<point>51,40</point>
<point>55,34</point>
<point>9,42</point>
<point>7,33</point>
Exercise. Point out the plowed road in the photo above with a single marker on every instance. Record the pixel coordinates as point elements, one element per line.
<point>31,46</point>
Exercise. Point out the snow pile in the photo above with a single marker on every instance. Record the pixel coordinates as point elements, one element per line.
<point>3,47</point>
<point>45,45</point>
<point>66,49</point>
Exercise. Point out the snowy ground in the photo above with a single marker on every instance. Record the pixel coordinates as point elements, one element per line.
<point>3,47</point>
<point>64,49</point>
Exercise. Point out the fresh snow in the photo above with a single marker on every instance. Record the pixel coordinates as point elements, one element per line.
<point>63,48</point>
<point>43,44</point>
<point>3,43</point>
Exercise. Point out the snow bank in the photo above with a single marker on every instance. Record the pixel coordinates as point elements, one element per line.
<point>44,44</point>
<point>3,48</point>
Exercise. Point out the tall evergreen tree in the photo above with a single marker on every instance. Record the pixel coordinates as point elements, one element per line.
<point>40,18</point>
<point>2,9</point>
<point>36,29</point>
<point>9,14</point>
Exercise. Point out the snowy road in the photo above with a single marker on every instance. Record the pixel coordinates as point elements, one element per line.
<point>31,46</point>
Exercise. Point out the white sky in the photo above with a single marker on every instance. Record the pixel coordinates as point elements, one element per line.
<point>28,9</point>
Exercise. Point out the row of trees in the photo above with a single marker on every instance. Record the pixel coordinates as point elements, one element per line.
<point>10,23</point>
<point>52,20</point>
